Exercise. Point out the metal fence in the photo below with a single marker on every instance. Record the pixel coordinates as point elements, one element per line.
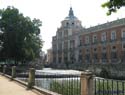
<point>109,86</point>
<point>66,84</point>
<point>7,70</point>
<point>62,84</point>
<point>22,74</point>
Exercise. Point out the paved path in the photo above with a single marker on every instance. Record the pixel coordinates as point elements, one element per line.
<point>8,87</point>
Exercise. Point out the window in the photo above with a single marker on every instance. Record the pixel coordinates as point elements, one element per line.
<point>59,59</point>
<point>80,51</point>
<point>123,34</point>
<point>103,55</point>
<point>104,48</point>
<point>87,50</point>
<point>113,47</point>
<point>123,46</point>
<point>67,24</point>
<point>59,34</point>
<point>72,43</point>
<point>80,40</point>
<point>95,56</point>
<point>65,32</point>
<point>87,39</point>
<point>72,23</point>
<point>87,57</point>
<point>80,55</point>
<point>113,35</point>
<point>54,47</point>
<point>94,38</point>
<point>95,49</point>
<point>113,55</point>
<point>60,46</point>
<point>103,36</point>
<point>65,45</point>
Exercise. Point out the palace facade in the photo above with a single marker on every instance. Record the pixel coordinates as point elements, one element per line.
<point>103,43</point>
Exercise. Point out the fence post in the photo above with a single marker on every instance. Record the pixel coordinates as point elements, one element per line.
<point>31,80</point>
<point>4,69</point>
<point>13,72</point>
<point>87,83</point>
<point>0,68</point>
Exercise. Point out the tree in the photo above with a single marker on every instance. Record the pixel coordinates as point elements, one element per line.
<point>21,36</point>
<point>113,5</point>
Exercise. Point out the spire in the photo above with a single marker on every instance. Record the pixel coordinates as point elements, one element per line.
<point>71,14</point>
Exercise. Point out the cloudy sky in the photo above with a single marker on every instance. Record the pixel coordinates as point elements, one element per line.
<point>52,12</point>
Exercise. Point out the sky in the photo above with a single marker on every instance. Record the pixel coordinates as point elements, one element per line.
<point>52,12</point>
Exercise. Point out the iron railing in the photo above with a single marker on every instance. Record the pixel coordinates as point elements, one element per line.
<point>62,84</point>
<point>109,87</point>
<point>22,74</point>
<point>70,84</point>
<point>8,70</point>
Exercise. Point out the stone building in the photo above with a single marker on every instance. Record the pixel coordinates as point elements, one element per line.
<point>49,56</point>
<point>103,43</point>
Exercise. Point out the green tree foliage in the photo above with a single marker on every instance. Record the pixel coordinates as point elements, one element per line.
<point>20,37</point>
<point>113,5</point>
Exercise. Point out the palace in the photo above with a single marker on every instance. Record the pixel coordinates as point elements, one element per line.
<point>103,43</point>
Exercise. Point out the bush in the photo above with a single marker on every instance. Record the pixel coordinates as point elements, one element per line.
<point>105,73</point>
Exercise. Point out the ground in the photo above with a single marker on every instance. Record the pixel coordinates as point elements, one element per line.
<point>9,87</point>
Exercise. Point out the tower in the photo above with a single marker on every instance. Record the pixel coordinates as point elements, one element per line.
<point>64,45</point>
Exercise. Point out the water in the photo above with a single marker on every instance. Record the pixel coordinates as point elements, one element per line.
<point>50,83</point>
<point>58,72</point>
